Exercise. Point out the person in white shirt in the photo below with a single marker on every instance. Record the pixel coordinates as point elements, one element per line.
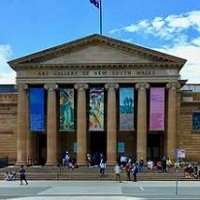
<point>102,166</point>
<point>150,164</point>
<point>123,160</point>
<point>117,171</point>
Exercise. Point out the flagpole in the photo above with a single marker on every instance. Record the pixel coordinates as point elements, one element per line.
<point>101,19</point>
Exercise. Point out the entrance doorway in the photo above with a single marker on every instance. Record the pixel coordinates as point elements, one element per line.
<point>41,149</point>
<point>155,146</point>
<point>97,143</point>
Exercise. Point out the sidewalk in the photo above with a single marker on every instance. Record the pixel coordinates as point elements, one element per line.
<point>100,190</point>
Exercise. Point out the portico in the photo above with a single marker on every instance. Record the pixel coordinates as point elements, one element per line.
<point>103,66</point>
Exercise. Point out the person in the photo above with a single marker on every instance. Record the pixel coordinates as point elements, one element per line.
<point>188,171</point>
<point>150,164</point>
<point>198,170</point>
<point>7,176</point>
<point>128,168</point>
<point>102,166</point>
<point>123,160</point>
<point>89,160</point>
<point>135,171</point>
<point>13,175</point>
<point>141,165</point>
<point>117,171</point>
<point>177,164</point>
<point>22,174</point>
<point>159,166</point>
<point>164,164</point>
<point>169,164</point>
<point>195,173</point>
<point>63,158</point>
<point>66,159</point>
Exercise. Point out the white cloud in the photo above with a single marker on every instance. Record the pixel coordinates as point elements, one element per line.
<point>158,23</point>
<point>7,75</point>
<point>196,41</point>
<point>191,70</point>
<point>175,33</point>
<point>165,27</point>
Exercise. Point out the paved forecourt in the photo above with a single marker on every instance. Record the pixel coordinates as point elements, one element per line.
<point>99,190</point>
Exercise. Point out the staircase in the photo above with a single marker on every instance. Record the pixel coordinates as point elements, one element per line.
<point>85,173</point>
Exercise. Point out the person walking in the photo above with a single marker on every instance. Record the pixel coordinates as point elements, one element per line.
<point>164,164</point>
<point>117,171</point>
<point>128,169</point>
<point>102,166</point>
<point>22,174</point>
<point>135,171</point>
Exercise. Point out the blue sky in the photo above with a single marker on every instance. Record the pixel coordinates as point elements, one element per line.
<point>171,26</point>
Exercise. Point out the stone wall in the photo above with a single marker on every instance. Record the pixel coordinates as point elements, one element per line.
<point>186,137</point>
<point>8,113</point>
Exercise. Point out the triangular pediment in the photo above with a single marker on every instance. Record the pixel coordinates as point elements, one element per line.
<point>98,54</point>
<point>96,49</point>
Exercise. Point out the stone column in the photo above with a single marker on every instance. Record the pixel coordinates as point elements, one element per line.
<point>171,124</point>
<point>29,142</point>
<point>51,125</point>
<point>81,124</point>
<point>142,121</point>
<point>29,148</point>
<point>111,124</point>
<point>22,124</point>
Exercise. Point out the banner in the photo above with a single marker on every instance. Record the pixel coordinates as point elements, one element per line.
<point>126,114</point>
<point>120,147</point>
<point>180,153</point>
<point>157,109</point>
<point>66,109</point>
<point>37,109</point>
<point>96,110</point>
<point>196,121</point>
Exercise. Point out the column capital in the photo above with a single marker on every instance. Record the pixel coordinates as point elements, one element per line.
<point>173,85</point>
<point>111,86</point>
<point>81,86</point>
<point>51,86</point>
<point>142,86</point>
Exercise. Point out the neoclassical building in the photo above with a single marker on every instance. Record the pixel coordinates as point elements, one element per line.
<point>98,95</point>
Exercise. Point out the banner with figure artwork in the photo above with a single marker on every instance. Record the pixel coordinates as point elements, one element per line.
<point>96,110</point>
<point>157,109</point>
<point>37,109</point>
<point>126,104</point>
<point>66,109</point>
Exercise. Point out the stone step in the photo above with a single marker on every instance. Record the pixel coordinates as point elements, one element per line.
<point>85,173</point>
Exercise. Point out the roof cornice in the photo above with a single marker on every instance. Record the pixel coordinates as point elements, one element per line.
<point>27,66</point>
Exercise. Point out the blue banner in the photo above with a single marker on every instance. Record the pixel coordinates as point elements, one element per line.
<point>37,109</point>
<point>196,121</point>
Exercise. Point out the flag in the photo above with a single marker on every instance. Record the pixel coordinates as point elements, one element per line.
<point>96,3</point>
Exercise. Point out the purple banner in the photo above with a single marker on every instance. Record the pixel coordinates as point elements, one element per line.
<point>157,109</point>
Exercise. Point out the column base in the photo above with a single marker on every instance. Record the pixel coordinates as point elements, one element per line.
<point>111,163</point>
<point>51,163</point>
<point>18,163</point>
<point>82,163</point>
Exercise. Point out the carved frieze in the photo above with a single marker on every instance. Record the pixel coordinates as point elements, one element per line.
<point>97,73</point>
